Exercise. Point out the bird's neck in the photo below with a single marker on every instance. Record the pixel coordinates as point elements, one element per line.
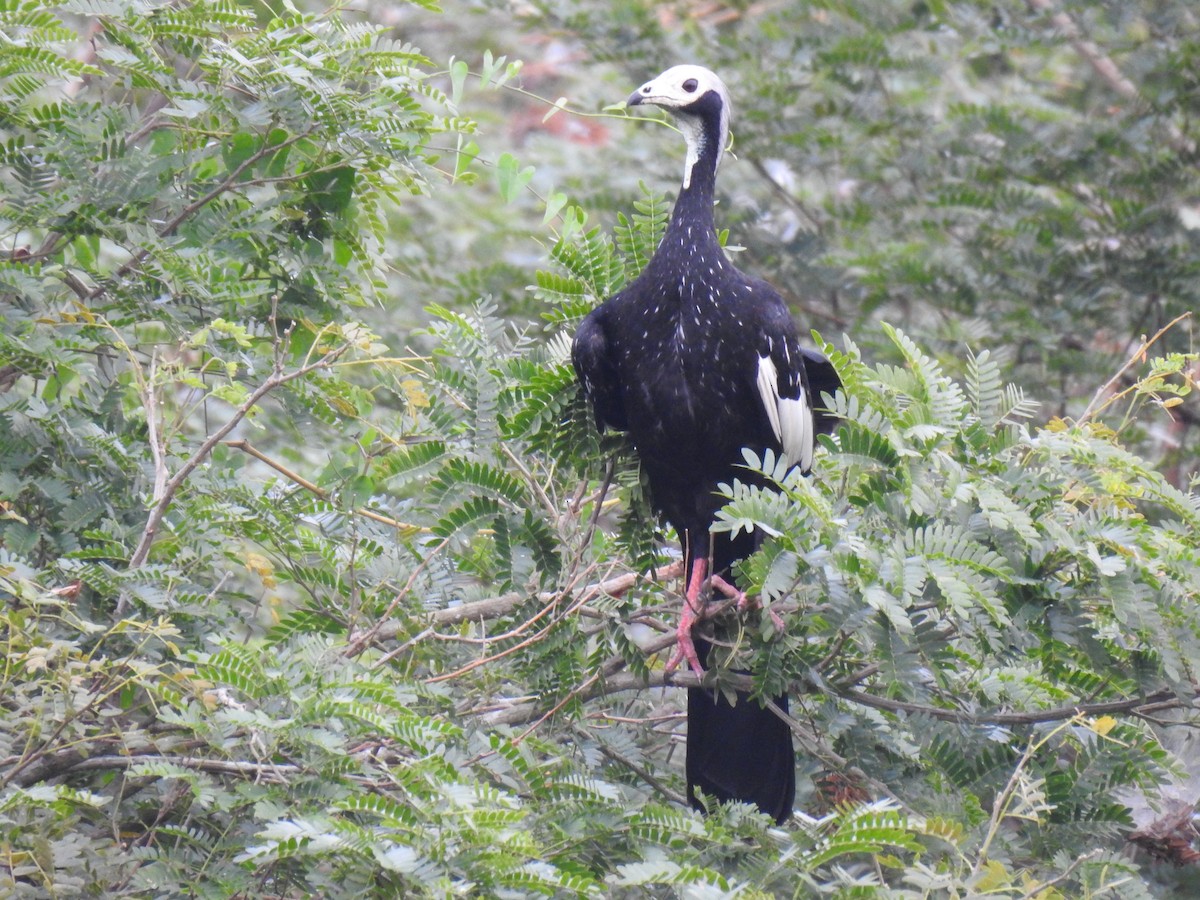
<point>694,205</point>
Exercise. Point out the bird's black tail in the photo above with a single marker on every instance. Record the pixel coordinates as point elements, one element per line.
<point>741,751</point>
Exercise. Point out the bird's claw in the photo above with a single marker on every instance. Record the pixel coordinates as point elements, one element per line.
<point>685,648</point>
<point>744,600</point>
<point>693,612</point>
<point>754,603</point>
<point>694,609</point>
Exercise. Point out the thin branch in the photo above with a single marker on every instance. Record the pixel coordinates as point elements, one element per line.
<point>611,681</point>
<point>1003,801</point>
<point>1137,356</point>
<point>525,712</point>
<point>787,196</point>
<point>277,379</point>
<point>534,484</point>
<point>1043,889</point>
<point>245,447</point>
<point>858,676</point>
<point>169,227</point>
<point>545,611</point>
<point>77,762</point>
<point>609,471</point>
<point>153,435</point>
<point>608,681</point>
<point>550,606</point>
<point>643,773</point>
<point>99,694</point>
<point>1000,804</point>
<point>812,745</point>
<point>1103,65</point>
<point>500,606</point>
<point>575,693</point>
<point>1159,699</point>
<point>357,645</point>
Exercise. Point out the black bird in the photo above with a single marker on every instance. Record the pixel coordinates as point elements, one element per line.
<point>697,361</point>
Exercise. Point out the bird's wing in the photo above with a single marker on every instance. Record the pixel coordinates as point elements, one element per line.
<point>783,386</point>
<point>595,371</point>
<point>822,379</point>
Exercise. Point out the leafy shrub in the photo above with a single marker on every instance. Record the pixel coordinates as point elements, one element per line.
<point>292,607</point>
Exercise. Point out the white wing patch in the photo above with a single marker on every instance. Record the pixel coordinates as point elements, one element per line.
<point>791,418</point>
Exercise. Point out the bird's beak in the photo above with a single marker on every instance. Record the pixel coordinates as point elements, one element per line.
<point>635,99</point>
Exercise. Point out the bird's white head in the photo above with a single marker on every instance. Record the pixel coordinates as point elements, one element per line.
<point>695,96</point>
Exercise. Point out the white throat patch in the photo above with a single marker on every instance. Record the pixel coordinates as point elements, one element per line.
<point>693,133</point>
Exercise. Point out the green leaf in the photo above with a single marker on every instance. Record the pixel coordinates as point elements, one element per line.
<point>509,180</point>
<point>458,76</point>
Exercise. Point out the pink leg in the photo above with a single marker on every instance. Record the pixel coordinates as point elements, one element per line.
<point>693,612</point>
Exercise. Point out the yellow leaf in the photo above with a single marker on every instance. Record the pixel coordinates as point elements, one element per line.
<point>36,660</point>
<point>1103,725</point>
<point>1047,893</point>
<point>1057,424</point>
<point>85,314</point>
<point>414,393</point>
<point>259,565</point>
<point>946,829</point>
<point>993,877</point>
<point>345,407</point>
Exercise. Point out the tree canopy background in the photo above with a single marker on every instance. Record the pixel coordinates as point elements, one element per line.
<point>317,580</point>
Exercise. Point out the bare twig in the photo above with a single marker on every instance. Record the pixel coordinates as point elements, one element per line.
<point>153,435</point>
<point>245,447</point>
<point>1138,355</point>
<point>78,762</point>
<point>1001,802</point>
<point>357,645</point>
<point>544,612</point>
<point>158,511</point>
<point>499,606</point>
<point>643,773</point>
<point>523,713</point>
<point>610,681</point>
<point>534,483</point>
<point>1160,699</point>
<point>786,195</point>
<point>1044,889</point>
<point>1103,66</point>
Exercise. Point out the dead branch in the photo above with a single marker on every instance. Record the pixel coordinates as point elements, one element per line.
<point>1103,65</point>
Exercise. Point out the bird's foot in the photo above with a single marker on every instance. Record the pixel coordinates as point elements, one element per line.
<point>745,601</point>
<point>685,646</point>
<point>720,584</point>
<point>693,612</point>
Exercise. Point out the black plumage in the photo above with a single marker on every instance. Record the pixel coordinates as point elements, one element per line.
<point>697,361</point>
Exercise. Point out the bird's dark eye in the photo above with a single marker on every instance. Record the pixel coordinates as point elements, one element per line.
<point>690,85</point>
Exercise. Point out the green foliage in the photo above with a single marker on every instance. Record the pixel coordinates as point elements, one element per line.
<point>970,565</point>
<point>1010,176</point>
<point>299,601</point>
